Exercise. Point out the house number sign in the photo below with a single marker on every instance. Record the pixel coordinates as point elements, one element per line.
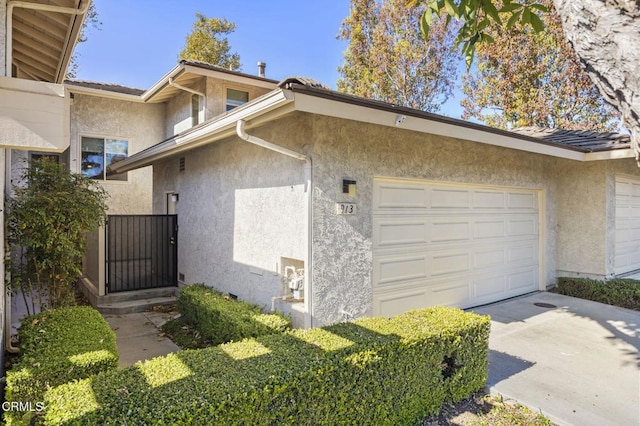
<point>346,208</point>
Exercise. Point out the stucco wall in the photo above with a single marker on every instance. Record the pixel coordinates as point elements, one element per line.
<point>178,117</point>
<point>140,124</point>
<point>240,211</point>
<point>586,215</point>
<point>217,95</point>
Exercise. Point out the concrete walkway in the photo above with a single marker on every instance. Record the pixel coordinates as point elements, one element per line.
<point>138,337</point>
<point>577,362</point>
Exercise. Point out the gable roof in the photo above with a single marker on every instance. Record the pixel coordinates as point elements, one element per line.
<point>306,95</point>
<point>41,36</point>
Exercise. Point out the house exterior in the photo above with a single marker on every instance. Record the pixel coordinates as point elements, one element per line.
<point>110,122</point>
<point>329,207</point>
<point>37,39</point>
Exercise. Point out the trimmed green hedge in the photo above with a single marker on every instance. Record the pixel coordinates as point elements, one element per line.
<point>56,347</point>
<point>619,292</point>
<point>222,319</point>
<point>373,371</point>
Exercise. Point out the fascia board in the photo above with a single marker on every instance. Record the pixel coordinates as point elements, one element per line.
<point>219,128</point>
<point>177,70</point>
<point>103,93</point>
<point>328,107</point>
<point>610,155</point>
<point>230,77</point>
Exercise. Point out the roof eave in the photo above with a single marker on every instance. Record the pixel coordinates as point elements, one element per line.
<point>278,102</point>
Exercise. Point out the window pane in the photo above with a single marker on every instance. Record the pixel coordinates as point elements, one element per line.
<point>195,110</point>
<point>116,150</point>
<point>236,98</point>
<point>92,158</point>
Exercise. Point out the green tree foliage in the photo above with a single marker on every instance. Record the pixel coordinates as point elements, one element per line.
<point>387,60</point>
<point>91,20</point>
<point>528,78</point>
<point>208,42</point>
<point>48,218</point>
<point>477,17</point>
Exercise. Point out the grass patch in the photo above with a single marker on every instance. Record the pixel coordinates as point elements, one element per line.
<point>624,293</point>
<point>185,335</point>
<point>485,410</point>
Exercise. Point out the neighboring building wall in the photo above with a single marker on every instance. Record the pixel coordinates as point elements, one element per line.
<point>586,216</point>
<point>140,124</point>
<point>241,215</point>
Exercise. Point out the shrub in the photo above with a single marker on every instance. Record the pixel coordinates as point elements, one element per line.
<point>48,219</point>
<point>56,347</point>
<point>221,319</point>
<point>373,371</point>
<point>619,292</point>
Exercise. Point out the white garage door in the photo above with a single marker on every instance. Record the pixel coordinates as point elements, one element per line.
<point>627,250</point>
<point>443,244</point>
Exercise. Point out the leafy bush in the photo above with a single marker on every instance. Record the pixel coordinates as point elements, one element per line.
<point>47,223</point>
<point>221,319</point>
<point>373,371</point>
<point>619,292</point>
<point>56,347</point>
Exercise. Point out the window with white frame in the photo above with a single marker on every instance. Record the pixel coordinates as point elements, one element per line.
<point>98,154</point>
<point>196,110</point>
<point>235,98</point>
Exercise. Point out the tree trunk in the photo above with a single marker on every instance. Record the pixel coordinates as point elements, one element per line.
<point>606,37</point>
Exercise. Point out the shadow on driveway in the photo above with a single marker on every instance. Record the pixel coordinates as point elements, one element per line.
<point>576,361</point>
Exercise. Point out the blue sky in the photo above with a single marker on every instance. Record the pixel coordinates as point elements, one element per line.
<point>139,40</point>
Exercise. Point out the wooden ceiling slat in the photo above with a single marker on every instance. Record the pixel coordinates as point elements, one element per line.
<point>42,75</point>
<point>31,48</point>
<point>34,63</point>
<point>38,21</point>
<point>20,29</point>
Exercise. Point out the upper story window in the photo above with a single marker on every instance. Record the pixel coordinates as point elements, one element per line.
<point>99,153</point>
<point>195,109</point>
<point>236,98</point>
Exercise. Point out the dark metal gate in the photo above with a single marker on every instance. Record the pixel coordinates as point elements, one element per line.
<point>141,252</point>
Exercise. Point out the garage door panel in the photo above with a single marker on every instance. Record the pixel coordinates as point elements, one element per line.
<point>627,225</point>
<point>489,200</point>
<point>489,258</point>
<point>489,288</point>
<point>526,280</point>
<point>449,263</point>
<point>394,270</point>
<point>522,227</point>
<point>450,230</point>
<point>398,302</point>
<point>525,253</point>
<point>400,233</point>
<point>466,246</point>
<point>443,198</point>
<point>489,229</point>
<point>400,196</point>
<point>522,200</point>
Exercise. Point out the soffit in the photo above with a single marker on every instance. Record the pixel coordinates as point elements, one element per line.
<point>43,41</point>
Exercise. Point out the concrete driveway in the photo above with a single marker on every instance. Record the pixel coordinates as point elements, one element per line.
<point>577,362</point>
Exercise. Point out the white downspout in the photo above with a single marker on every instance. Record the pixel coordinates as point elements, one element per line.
<point>33,6</point>
<point>308,170</point>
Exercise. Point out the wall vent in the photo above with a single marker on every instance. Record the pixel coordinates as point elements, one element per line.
<point>181,166</point>
<point>181,277</point>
